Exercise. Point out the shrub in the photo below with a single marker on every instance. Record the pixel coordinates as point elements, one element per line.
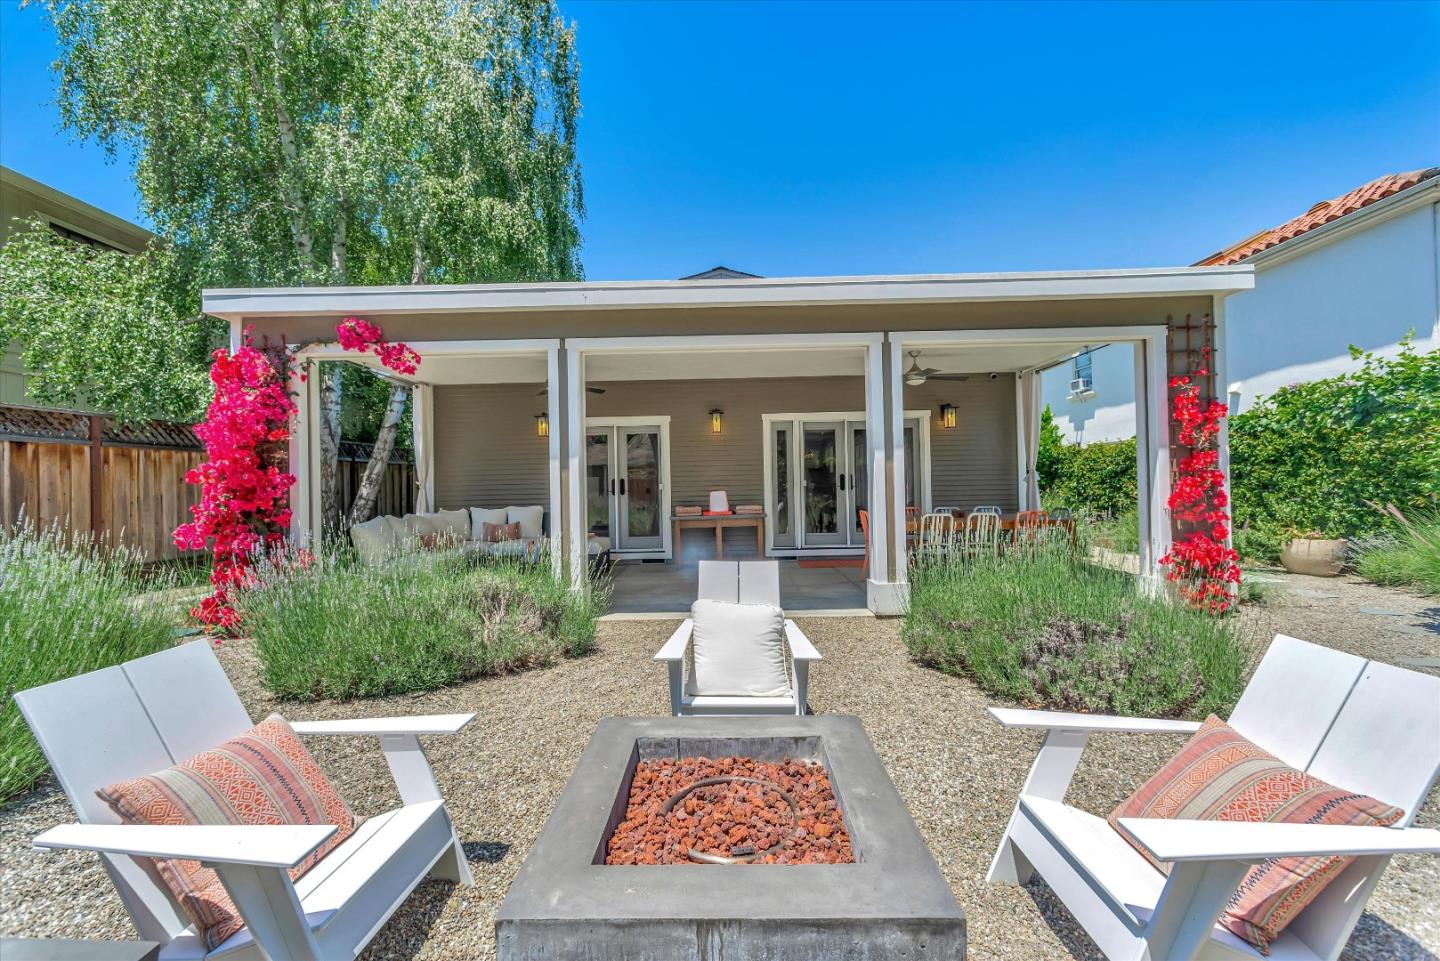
<point>65,609</point>
<point>1094,478</point>
<point>1316,456</point>
<point>335,629</point>
<point>1409,558</point>
<point>1121,533</point>
<point>1049,630</point>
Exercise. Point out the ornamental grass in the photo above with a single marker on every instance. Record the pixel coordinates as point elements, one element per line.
<point>66,608</point>
<point>1408,558</point>
<point>329,627</point>
<point>1049,630</point>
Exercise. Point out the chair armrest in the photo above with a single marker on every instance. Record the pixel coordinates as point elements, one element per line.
<point>264,845</point>
<point>674,649</point>
<point>1064,721</point>
<point>415,724</point>
<point>1176,840</point>
<point>800,647</point>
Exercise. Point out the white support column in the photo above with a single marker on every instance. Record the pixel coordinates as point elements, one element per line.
<point>574,377</point>
<point>1020,466</point>
<point>896,415</point>
<point>312,433</point>
<point>878,573</point>
<point>554,401</point>
<point>1153,470</point>
<point>1220,366</point>
<point>1142,460</point>
<point>299,452</point>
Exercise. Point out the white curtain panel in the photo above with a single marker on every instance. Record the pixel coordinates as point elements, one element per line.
<point>422,413</point>
<point>1030,407</point>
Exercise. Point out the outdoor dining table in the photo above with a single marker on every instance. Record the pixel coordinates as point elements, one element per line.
<point>682,522</point>
<point>1008,524</point>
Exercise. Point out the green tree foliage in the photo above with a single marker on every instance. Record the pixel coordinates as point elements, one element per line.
<point>1320,456</point>
<point>1050,453</point>
<point>1095,478</point>
<point>338,141</point>
<point>100,328</point>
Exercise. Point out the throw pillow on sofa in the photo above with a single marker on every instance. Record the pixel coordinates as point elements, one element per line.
<point>480,516</point>
<point>454,525</point>
<point>376,539</point>
<point>1220,776</point>
<point>495,533</point>
<point>263,776</point>
<point>530,519</point>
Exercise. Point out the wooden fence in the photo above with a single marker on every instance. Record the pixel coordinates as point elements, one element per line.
<point>127,485</point>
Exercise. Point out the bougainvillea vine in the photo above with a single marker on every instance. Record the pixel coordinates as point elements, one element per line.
<point>244,504</point>
<point>244,508</point>
<point>1200,562</point>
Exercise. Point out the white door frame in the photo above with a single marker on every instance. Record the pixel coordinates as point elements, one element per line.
<point>657,420</point>
<point>845,417</point>
<point>1152,447</point>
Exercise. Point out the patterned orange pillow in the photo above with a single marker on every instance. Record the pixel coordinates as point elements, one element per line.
<point>264,776</point>
<point>495,533</point>
<point>1220,776</point>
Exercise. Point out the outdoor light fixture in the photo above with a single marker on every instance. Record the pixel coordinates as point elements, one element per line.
<point>542,425</point>
<point>715,416</point>
<point>947,415</point>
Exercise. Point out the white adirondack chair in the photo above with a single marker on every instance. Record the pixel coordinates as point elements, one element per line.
<point>1361,725</point>
<point>142,716</point>
<point>739,582</point>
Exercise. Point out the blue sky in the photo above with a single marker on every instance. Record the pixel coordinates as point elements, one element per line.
<point>853,138</point>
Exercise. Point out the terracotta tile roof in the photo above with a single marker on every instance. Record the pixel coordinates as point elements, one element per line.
<point>1319,215</point>
<point>39,423</point>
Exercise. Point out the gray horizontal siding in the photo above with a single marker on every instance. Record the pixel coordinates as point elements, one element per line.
<point>486,450</point>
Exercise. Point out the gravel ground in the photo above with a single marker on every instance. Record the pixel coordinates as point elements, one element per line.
<point>958,773</point>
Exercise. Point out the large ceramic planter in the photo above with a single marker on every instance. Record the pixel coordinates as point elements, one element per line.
<point>1316,557</point>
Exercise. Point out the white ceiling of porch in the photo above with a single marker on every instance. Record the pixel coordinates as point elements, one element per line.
<point>726,364</point>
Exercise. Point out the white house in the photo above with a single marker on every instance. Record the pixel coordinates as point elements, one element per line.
<point>1362,269</point>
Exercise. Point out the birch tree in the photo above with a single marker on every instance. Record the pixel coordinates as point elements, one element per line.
<point>339,141</point>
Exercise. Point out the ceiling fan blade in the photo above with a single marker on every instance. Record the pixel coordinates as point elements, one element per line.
<point>949,377</point>
<point>593,390</point>
<point>930,371</point>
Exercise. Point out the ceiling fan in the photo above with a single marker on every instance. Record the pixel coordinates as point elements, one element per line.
<point>918,375</point>
<point>592,390</point>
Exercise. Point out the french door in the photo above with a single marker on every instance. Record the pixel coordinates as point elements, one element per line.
<point>626,491</point>
<point>819,478</point>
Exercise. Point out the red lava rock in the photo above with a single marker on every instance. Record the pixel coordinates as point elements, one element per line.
<point>730,820</point>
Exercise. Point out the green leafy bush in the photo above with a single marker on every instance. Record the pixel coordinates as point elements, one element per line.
<point>1094,478</point>
<point>65,609</point>
<point>1408,558</point>
<point>423,620</point>
<point>1049,630</point>
<point>1320,456</point>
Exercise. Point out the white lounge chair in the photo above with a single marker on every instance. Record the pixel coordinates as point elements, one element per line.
<point>739,582</point>
<point>142,716</point>
<point>1357,724</point>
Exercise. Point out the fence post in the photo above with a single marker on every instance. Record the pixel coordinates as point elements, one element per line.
<point>97,478</point>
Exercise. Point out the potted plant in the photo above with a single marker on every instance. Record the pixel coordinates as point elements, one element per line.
<point>1315,554</point>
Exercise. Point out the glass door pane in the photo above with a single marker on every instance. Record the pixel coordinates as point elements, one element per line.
<point>599,483</point>
<point>859,475</point>
<point>823,471</point>
<point>782,530</point>
<point>640,501</point>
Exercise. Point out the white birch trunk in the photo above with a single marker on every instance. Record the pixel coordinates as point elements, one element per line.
<point>369,488</point>
<point>330,399</point>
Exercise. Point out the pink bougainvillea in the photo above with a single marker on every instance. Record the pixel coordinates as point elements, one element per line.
<point>244,508</point>
<point>1199,562</point>
<point>244,501</point>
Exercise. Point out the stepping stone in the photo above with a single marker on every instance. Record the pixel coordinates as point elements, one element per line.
<point>1307,592</point>
<point>1411,629</point>
<point>1419,661</point>
<point>1257,579</point>
<point>1383,611</point>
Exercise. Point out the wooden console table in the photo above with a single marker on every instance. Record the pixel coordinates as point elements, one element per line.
<point>719,522</point>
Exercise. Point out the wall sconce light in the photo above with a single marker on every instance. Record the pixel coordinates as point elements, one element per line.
<point>715,416</point>
<point>947,416</point>
<point>542,425</point>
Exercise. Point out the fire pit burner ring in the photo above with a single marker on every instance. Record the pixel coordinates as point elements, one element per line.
<point>705,858</point>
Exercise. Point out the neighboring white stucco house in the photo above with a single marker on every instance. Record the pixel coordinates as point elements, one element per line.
<point>1361,269</point>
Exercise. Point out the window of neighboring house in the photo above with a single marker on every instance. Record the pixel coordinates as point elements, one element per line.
<point>1082,366</point>
<point>81,238</point>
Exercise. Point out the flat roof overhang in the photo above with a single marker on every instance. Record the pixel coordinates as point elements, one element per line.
<point>239,303</point>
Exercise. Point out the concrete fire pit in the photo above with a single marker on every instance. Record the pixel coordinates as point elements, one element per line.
<point>567,903</point>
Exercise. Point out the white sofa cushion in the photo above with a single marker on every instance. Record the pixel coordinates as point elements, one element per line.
<point>418,525</point>
<point>480,516</point>
<point>531,519</point>
<point>737,650</point>
<point>376,538</point>
<point>455,525</point>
